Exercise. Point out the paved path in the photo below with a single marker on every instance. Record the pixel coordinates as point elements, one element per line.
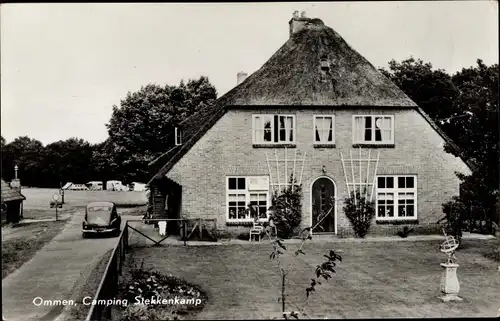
<point>139,240</point>
<point>52,273</point>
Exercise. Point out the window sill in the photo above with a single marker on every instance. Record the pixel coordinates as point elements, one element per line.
<point>240,223</point>
<point>368,145</point>
<point>397,221</point>
<point>274,145</point>
<point>318,145</point>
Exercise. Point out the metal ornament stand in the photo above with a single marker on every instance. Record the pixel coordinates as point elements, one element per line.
<point>449,280</point>
<point>282,165</point>
<point>356,165</point>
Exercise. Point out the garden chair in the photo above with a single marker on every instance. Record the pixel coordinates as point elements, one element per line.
<point>256,230</point>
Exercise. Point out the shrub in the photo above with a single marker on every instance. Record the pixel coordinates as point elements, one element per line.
<point>142,313</point>
<point>360,213</point>
<point>146,284</point>
<point>455,212</point>
<point>244,236</point>
<point>287,209</point>
<point>405,232</point>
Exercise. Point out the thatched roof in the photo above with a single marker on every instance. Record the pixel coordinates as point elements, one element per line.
<point>294,76</point>
<point>10,194</point>
<point>315,68</point>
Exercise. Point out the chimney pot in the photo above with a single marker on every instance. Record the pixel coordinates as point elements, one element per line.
<point>241,77</point>
<point>297,24</point>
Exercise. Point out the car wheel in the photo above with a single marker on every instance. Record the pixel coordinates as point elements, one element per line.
<point>84,235</point>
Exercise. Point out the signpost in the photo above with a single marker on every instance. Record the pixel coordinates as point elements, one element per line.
<point>56,200</point>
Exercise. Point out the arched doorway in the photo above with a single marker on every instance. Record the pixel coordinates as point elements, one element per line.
<point>322,191</point>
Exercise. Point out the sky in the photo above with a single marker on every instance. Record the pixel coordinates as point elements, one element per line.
<point>64,66</point>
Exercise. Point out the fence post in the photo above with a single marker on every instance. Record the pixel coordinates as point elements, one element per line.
<point>201,230</point>
<point>184,234</point>
<point>126,238</point>
<point>215,230</point>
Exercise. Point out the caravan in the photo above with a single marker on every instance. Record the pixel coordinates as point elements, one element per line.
<point>137,187</point>
<point>116,186</point>
<point>95,185</point>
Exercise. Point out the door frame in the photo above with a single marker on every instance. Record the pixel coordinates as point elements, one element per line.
<point>311,201</point>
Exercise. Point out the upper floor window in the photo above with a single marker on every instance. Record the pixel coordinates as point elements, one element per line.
<point>178,136</point>
<point>371,129</point>
<point>273,129</point>
<point>324,129</point>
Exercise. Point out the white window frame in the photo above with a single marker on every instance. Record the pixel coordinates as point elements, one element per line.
<point>396,190</point>
<point>247,193</point>
<point>178,136</point>
<point>372,142</point>
<point>272,142</point>
<point>315,117</point>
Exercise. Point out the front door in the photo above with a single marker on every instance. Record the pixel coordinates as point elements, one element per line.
<point>323,194</point>
<point>173,208</point>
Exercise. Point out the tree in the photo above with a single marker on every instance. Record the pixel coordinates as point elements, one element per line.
<point>103,166</point>
<point>142,127</point>
<point>26,153</point>
<point>66,161</point>
<point>463,105</point>
<point>478,136</point>
<point>282,252</point>
<point>432,90</point>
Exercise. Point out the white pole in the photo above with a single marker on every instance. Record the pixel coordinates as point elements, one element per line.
<point>345,174</point>
<point>375,176</point>
<point>353,178</point>
<point>360,179</point>
<point>269,168</point>
<point>368,173</point>
<point>302,171</point>
<point>286,165</point>
<point>277,170</point>
<point>294,161</point>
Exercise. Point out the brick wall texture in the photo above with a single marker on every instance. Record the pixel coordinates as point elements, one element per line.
<point>226,149</point>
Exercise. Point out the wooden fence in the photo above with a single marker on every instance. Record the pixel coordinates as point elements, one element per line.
<point>108,286</point>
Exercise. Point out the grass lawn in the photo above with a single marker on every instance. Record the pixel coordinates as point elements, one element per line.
<point>20,243</point>
<point>39,198</point>
<point>48,213</point>
<point>374,280</point>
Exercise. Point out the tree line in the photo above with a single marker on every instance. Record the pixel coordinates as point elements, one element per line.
<point>139,130</point>
<point>464,104</point>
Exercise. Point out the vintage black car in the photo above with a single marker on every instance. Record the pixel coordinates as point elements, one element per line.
<point>101,218</point>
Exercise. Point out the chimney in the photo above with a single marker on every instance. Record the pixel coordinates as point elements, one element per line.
<point>297,23</point>
<point>241,77</point>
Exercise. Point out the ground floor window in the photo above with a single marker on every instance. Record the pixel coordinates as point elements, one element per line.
<point>396,197</point>
<point>245,191</point>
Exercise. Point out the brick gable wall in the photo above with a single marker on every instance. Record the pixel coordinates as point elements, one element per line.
<point>226,149</point>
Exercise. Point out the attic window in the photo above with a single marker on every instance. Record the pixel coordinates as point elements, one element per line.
<point>178,136</point>
<point>325,64</point>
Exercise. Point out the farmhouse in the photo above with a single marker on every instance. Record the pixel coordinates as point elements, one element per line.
<point>319,111</point>
<point>12,201</point>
